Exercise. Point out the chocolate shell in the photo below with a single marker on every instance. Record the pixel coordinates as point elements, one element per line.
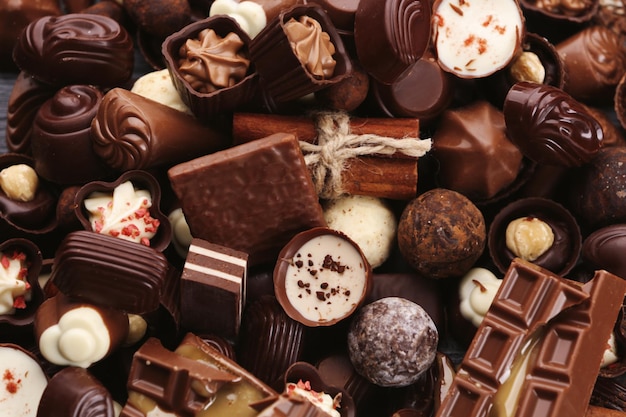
<point>76,48</point>
<point>605,247</point>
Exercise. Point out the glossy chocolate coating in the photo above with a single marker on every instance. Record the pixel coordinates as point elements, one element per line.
<point>549,126</point>
<point>62,133</point>
<point>390,36</point>
<point>75,392</point>
<point>76,49</point>
<point>476,158</point>
<point>605,248</point>
<point>341,12</point>
<point>159,18</point>
<point>564,252</point>
<point>594,60</point>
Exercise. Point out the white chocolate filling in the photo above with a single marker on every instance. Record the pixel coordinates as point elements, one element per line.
<point>13,284</point>
<point>22,383</point>
<point>250,15</point>
<point>158,86</point>
<point>476,292</point>
<point>475,38</point>
<point>80,338</point>
<point>320,399</point>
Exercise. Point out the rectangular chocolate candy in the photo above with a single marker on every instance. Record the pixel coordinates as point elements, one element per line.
<point>212,289</point>
<point>538,350</point>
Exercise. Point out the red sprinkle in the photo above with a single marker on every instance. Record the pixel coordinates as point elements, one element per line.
<point>5,261</point>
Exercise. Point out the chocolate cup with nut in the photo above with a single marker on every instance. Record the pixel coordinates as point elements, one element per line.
<point>564,252</point>
<point>209,105</point>
<point>140,180</point>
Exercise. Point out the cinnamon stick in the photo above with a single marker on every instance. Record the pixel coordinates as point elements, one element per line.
<point>390,178</point>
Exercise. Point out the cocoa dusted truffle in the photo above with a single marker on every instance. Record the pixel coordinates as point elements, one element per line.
<point>441,233</point>
<point>392,341</point>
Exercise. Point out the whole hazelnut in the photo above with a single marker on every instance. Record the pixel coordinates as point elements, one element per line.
<point>441,233</point>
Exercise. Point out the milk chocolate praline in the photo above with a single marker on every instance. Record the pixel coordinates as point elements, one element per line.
<point>561,256</point>
<point>557,20</point>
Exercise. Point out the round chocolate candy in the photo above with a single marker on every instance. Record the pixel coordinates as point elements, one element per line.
<point>321,277</point>
<point>392,341</point>
<point>441,233</point>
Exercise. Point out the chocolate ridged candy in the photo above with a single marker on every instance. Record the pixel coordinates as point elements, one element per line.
<point>62,130</point>
<point>401,37</point>
<point>270,340</point>
<point>76,49</point>
<point>26,97</point>
<point>75,392</point>
<point>605,247</point>
<point>594,60</point>
<point>549,126</point>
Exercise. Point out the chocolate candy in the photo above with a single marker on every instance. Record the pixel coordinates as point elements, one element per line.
<point>321,277</point>
<point>221,206</point>
<point>76,49</point>
<point>213,289</point>
<point>123,275</point>
<point>23,381</point>
<point>474,40</point>
<point>401,37</point>
<point>563,132</point>
<point>160,17</point>
<point>441,233</point>
<point>75,392</point>
<point>128,133</point>
<point>476,158</point>
<point>539,347</point>
<point>604,249</point>
<point>392,341</point>
<point>62,129</point>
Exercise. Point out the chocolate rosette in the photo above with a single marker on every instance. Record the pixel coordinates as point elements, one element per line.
<point>62,129</point>
<point>549,126</point>
<point>76,48</point>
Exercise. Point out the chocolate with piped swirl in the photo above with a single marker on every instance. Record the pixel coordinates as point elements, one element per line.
<point>61,141</point>
<point>549,126</point>
<point>76,48</point>
<point>128,133</point>
<point>390,36</point>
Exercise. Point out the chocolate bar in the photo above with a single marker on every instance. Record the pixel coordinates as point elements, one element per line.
<point>213,289</point>
<point>538,350</point>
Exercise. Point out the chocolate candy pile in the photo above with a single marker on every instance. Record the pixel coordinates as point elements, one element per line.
<point>314,207</point>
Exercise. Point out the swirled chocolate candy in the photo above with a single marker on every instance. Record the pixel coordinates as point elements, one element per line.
<point>391,36</point>
<point>605,247</point>
<point>594,60</point>
<point>549,126</point>
<point>76,49</point>
<point>61,131</point>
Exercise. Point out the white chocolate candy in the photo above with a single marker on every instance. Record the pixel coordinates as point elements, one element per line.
<point>80,338</point>
<point>319,399</point>
<point>19,182</point>
<point>14,289</point>
<point>476,291</point>
<point>181,235</point>
<point>158,86</point>
<point>368,221</point>
<point>475,38</point>
<point>250,15</point>
<point>22,383</point>
<point>124,214</point>
<point>610,353</point>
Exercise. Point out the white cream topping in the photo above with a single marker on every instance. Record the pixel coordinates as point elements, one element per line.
<point>181,235</point>
<point>250,15</point>
<point>124,214</point>
<point>476,291</point>
<point>326,279</point>
<point>158,86</point>
<point>320,399</point>
<point>19,182</point>
<point>22,383</point>
<point>80,338</point>
<point>475,38</point>
<point>610,355</point>
<point>14,289</point>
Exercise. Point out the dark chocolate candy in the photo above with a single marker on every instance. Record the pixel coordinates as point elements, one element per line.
<point>76,48</point>
<point>604,248</point>
<point>75,392</point>
<point>123,275</point>
<point>341,12</point>
<point>213,289</point>
<point>391,36</point>
<point>252,197</point>
<point>128,133</point>
<point>159,18</point>
<point>549,126</point>
<point>62,131</point>
<point>476,158</point>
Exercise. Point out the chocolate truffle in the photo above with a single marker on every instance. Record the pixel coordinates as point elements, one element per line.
<point>159,18</point>
<point>441,233</point>
<point>392,341</point>
<point>476,158</point>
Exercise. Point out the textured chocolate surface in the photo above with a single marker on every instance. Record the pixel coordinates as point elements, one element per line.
<point>549,126</point>
<point>123,275</point>
<point>61,137</point>
<point>252,197</point>
<point>50,48</point>
<point>604,248</point>
<point>213,289</point>
<point>563,367</point>
<point>128,133</point>
<point>75,392</point>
